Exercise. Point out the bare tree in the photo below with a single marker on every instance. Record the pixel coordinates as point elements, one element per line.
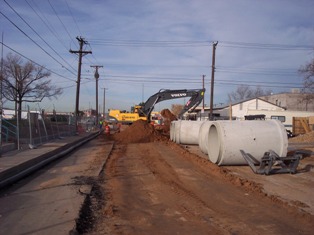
<point>26,82</point>
<point>308,77</point>
<point>246,92</point>
<point>308,83</point>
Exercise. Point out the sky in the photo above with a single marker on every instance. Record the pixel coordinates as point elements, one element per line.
<point>148,45</point>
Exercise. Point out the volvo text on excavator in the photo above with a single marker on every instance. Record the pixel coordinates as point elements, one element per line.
<point>144,112</point>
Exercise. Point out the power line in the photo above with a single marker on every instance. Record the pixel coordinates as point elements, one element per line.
<point>35,42</point>
<point>155,65</point>
<point>256,73</point>
<point>226,69</point>
<point>165,78</point>
<point>258,82</point>
<point>194,43</point>
<point>124,79</point>
<point>47,24</point>
<point>143,43</point>
<point>217,83</point>
<point>268,46</point>
<point>55,12</point>
<point>39,35</point>
<point>69,9</point>
<point>258,69</point>
<point>35,62</point>
<point>265,85</point>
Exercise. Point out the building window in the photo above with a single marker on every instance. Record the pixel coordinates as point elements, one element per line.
<point>280,118</point>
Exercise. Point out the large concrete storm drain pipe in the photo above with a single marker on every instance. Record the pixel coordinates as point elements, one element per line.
<point>227,138</point>
<point>185,132</point>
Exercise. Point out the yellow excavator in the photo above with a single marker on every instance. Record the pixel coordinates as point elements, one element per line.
<point>116,115</point>
<point>144,112</point>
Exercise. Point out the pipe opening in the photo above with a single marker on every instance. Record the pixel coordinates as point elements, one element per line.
<point>213,144</point>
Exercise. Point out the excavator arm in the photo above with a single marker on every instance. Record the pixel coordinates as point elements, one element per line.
<point>196,95</point>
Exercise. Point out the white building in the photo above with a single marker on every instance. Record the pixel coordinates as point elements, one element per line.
<point>255,107</point>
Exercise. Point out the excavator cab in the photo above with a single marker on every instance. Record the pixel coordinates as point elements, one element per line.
<point>138,110</point>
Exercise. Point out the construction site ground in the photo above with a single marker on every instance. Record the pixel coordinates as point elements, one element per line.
<point>150,185</point>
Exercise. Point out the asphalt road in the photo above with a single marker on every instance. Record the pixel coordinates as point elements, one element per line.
<point>48,201</point>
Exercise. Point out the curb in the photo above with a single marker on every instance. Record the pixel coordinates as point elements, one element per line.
<point>16,173</point>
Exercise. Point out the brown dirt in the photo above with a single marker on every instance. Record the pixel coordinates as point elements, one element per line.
<point>159,187</point>
<point>167,114</point>
<point>139,132</point>
<point>168,117</point>
<point>308,137</point>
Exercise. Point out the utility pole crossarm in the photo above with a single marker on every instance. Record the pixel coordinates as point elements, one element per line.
<point>82,52</point>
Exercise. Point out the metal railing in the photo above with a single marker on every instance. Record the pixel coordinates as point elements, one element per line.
<point>8,131</point>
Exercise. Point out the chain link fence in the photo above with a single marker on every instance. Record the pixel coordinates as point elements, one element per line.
<point>35,129</point>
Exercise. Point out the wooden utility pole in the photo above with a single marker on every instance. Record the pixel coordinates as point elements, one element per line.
<point>212,82</point>
<point>203,88</point>
<point>81,53</point>
<point>96,77</point>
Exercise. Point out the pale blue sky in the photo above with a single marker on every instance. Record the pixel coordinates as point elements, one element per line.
<point>147,45</point>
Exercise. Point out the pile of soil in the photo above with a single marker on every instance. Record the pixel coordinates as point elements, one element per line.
<point>167,114</point>
<point>139,132</point>
<point>168,117</point>
<point>305,138</point>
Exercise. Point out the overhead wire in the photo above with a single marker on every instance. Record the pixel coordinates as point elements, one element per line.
<point>25,57</point>
<point>64,27</point>
<point>158,79</point>
<point>268,46</point>
<point>143,43</point>
<point>264,85</point>
<point>35,42</point>
<point>262,71</point>
<point>192,43</point>
<point>39,36</point>
<point>69,9</point>
<point>156,65</point>
<point>255,73</point>
<point>47,23</point>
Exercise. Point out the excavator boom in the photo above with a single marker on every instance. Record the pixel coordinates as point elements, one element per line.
<point>197,95</point>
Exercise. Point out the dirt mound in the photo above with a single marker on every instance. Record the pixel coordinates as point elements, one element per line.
<point>167,114</point>
<point>168,117</point>
<point>139,132</point>
<point>305,138</point>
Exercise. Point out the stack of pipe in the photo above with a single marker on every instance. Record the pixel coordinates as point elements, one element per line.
<point>223,140</point>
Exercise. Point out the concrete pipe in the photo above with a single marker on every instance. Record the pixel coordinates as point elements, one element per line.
<point>203,136</point>
<point>172,130</point>
<point>227,138</point>
<point>186,132</point>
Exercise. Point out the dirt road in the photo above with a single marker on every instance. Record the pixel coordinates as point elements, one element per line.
<point>161,188</point>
